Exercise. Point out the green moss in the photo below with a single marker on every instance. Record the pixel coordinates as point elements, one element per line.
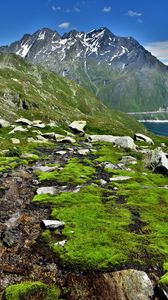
<point>74,172</point>
<point>164,279</point>
<point>31,290</point>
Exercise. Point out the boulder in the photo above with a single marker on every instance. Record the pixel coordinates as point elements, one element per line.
<point>52,224</point>
<point>144,138</point>
<point>78,126</point>
<point>61,243</point>
<point>45,169</point>
<point>4,123</point>
<point>121,285</point>
<point>23,121</point>
<point>122,141</point>
<point>157,161</point>
<point>128,160</point>
<point>83,151</point>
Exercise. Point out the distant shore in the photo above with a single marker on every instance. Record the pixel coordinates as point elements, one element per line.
<point>153,121</point>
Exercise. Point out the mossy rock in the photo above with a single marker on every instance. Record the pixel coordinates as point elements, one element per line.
<point>31,291</point>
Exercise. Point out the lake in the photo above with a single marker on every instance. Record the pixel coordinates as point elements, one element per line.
<point>159,128</point>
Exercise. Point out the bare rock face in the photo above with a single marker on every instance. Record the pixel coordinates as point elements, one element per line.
<point>157,160</point>
<point>120,285</point>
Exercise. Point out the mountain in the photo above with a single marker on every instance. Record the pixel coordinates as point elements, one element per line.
<point>118,70</point>
<point>34,92</point>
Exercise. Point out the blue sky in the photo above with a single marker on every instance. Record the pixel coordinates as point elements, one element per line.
<point>145,20</point>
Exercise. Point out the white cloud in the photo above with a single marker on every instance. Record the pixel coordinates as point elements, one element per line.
<point>159,49</point>
<point>55,8</point>
<point>106,9</point>
<point>77,9</point>
<point>132,13</point>
<point>64,25</point>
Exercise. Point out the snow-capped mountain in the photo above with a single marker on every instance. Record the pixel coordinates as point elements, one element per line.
<point>117,69</point>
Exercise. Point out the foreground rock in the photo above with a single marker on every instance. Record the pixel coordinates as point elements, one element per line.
<point>144,138</point>
<point>121,285</point>
<point>23,121</point>
<point>125,142</point>
<point>157,161</point>
<point>52,224</point>
<point>78,126</point>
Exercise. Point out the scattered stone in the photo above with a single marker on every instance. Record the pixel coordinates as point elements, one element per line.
<point>61,243</point>
<point>45,168</point>
<point>60,152</point>
<point>51,190</point>
<point>4,123</point>
<point>83,151</point>
<point>38,125</point>
<point>102,138</point>
<point>23,121</point>
<point>41,138</point>
<point>157,161</point>
<point>52,224</point>
<point>103,182</point>
<point>50,135</point>
<point>32,140</point>
<point>163,145</point>
<point>108,165</point>
<point>18,128</point>
<point>120,178</point>
<point>15,141</point>
<point>66,139</point>
<point>78,126</point>
<point>144,138</point>
<point>127,160</point>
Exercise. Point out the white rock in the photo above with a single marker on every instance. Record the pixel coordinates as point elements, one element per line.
<point>83,151</point>
<point>61,243</point>
<point>122,141</point>
<point>120,178</point>
<point>18,128</point>
<point>45,168</point>
<point>23,121</point>
<point>103,182</point>
<point>78,126</point>
<point>142,137</point>
<point>60,152</point>
<point>53,224</point>
<point>66,139</point>
<point>4,123</point>
<point>15,141</point>
<point>51,190</point>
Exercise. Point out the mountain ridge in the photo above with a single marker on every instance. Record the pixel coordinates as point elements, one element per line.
<point>118,70</point>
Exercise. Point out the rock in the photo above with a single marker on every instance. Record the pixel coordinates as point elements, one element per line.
<point>62,152</point>
<point>15,141</point>
<point>108,165</point>
<point>50,135</point>
<point>127,160</point>
<point>52,190</point>
<point>4,123</point>
<point>157,161</point>
<point>61,243</point>
<point>144,138</point>
<point>23,121</point>
<point>122,141</point>
<point>45,168</point>
<point>125,142</point>
<point>78,126</point>
<point>120,285</point>
<point>103,182</point>
<point>38,124</point>
<point>9,238</point>
<point>120,178</point>
<point>41,138</point>
<point>18,128</point>
<point>32,140</point>
<point>163,145</point>
<point>83,151</point>
<point>66,139</point>
<point>52,224</point>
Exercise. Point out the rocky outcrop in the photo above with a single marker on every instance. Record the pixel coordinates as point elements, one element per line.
<point>157,161</point>
<point>121,141</point>
<point>144,138</point>
<point>78,126</point>
<point>121,285</point>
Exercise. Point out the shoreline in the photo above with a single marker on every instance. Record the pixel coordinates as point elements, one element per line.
<point>153,121</point>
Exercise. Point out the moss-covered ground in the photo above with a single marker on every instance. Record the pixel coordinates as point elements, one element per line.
<point>121,224</point>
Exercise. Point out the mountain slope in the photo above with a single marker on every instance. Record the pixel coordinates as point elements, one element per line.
<point>117,69</point>
<point>33,92</point>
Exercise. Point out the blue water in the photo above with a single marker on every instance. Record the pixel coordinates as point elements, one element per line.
<point>157,128</point>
